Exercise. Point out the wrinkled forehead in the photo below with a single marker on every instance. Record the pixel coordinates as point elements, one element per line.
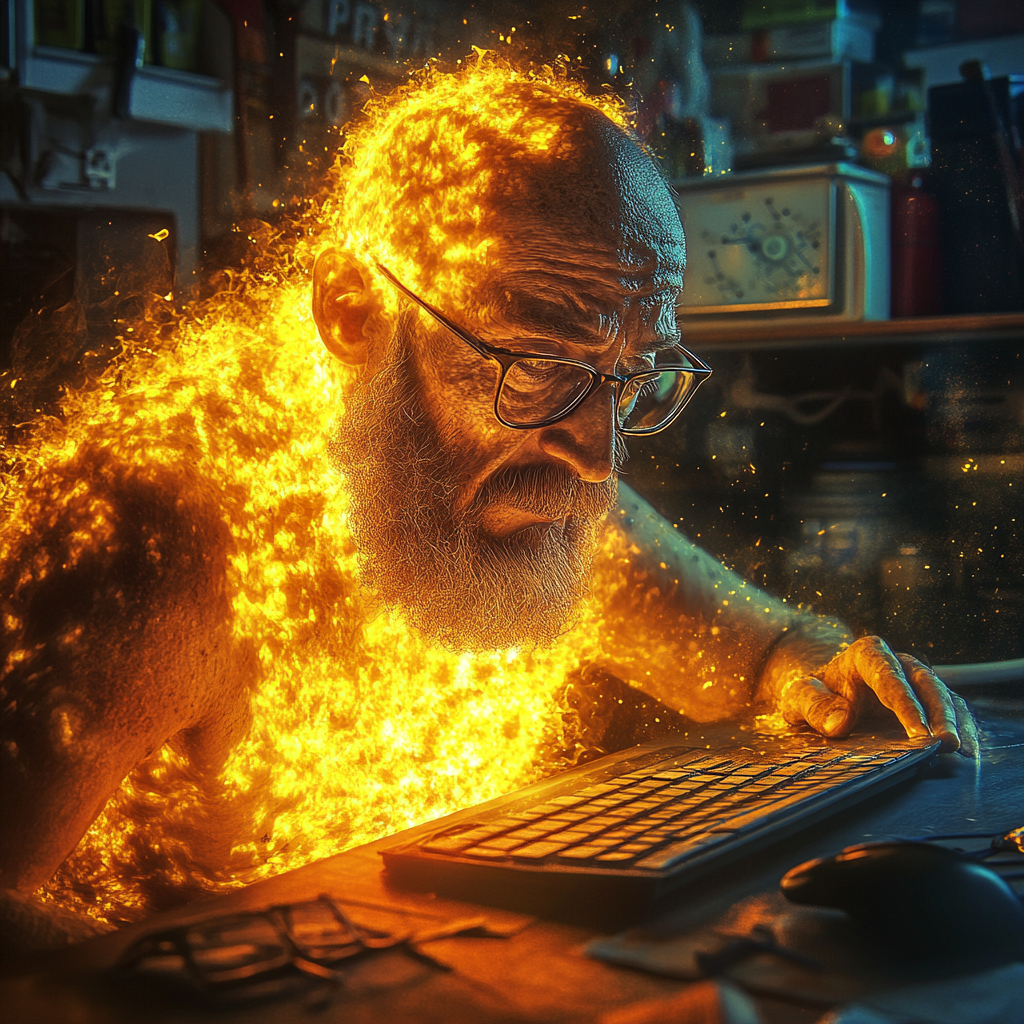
<point>595,227</point>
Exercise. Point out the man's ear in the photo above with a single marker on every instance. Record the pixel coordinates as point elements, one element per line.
<point>343,300</point>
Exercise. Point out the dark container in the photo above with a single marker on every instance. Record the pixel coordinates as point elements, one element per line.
<point>916,247</point>
<point>975,178</point>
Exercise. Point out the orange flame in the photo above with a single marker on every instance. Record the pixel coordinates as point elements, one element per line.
<point>361,727</point>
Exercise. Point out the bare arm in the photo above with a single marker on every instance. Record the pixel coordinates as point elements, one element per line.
<point>699,638</point>
<point>115,639</point>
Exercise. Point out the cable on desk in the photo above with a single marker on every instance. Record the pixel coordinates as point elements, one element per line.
<point>981,674</point>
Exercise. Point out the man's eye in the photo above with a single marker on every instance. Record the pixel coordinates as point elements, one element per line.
<point>537,371</point>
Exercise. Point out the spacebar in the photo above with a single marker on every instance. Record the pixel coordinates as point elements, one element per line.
<point>758,814</point>
<point>721,831</point>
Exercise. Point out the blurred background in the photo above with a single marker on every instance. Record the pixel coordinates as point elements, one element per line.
<point>849,173</point>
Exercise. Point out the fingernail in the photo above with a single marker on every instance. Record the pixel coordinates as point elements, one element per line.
<point>835,721</point>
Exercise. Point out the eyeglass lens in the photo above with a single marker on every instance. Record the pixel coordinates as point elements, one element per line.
<point>647,402</point>
<point>536,390</point>
<point>236,949</point>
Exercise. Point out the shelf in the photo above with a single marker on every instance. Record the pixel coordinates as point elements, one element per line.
<point>159,95</point>
<point>320,56</point>
<point>764,334</point>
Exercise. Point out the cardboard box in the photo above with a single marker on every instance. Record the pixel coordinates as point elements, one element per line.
<point>773,13</point>
<point>848,38</point>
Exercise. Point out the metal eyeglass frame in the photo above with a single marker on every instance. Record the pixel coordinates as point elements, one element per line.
<point>506,359</point>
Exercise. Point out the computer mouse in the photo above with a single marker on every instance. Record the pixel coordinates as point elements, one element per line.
<point>917,901</point>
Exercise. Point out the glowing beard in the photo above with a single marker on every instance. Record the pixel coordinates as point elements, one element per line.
<point>468,590</point>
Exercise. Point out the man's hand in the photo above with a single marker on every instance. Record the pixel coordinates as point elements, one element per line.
<point>867,673</point>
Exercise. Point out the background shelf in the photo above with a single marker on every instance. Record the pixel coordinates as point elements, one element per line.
<point>764,334</point>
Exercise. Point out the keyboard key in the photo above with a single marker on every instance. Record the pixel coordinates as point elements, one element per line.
<point>646,805</point>
<point>806,786</point>
<point>823,756</point>
<point>447,844</point>
<point>660,835</point>
<point>597,790</point>
<point>664,814</point>
<point>480,833</point>
<point>562,820</point>
<point>581,853</point>
<point>605,821</point>
<point>573,835</point>
<point>604,841</point>
<point>541,810</point>
<point>619,813</point>
<point>502,843</point>
<point>616,855</point>
<point>538,851</point>
<point>666,857</point>
<point>509,821</point>
<point>568,800</point>
<point>484,853</point>
<point>526,835</point>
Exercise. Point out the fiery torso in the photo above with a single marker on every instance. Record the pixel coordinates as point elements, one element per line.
<point>360,727</point>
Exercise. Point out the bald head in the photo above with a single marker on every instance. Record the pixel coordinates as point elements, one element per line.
<point>586,233</point>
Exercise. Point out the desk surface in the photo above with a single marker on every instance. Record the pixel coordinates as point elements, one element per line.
<point>539,972</point>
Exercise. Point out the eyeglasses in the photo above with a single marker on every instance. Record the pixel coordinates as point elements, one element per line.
<point>227,953</point>
<point>269,952</point>
<point>536,390</point>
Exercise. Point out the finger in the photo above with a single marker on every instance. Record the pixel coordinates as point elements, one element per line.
<point>810,700</point>
<point>966,727</point>
<point>870,661</point>
<point>936,700</point>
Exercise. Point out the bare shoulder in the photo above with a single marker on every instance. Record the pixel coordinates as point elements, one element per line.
<point>115,636</point>
<point>101,557</point>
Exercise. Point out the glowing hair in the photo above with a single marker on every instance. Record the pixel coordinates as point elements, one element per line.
<point>436,150</point>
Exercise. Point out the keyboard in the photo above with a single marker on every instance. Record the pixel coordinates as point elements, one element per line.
<point>642,824</point>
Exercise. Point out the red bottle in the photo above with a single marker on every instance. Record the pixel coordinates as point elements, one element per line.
<point>916,254</point>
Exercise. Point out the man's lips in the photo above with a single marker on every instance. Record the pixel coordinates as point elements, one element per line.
<point>503,521</point>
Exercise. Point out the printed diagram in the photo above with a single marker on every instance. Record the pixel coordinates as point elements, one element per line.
<point>772,256</point>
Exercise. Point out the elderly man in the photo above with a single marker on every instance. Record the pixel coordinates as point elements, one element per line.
<point>223,647</point>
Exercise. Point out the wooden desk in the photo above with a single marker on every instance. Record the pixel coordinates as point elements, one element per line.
<point>539,973</point>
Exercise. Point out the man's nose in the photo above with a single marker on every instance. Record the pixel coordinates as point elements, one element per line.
<point>584,439</point>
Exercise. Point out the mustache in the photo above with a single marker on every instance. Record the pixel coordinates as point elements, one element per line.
<point>549,491</point>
